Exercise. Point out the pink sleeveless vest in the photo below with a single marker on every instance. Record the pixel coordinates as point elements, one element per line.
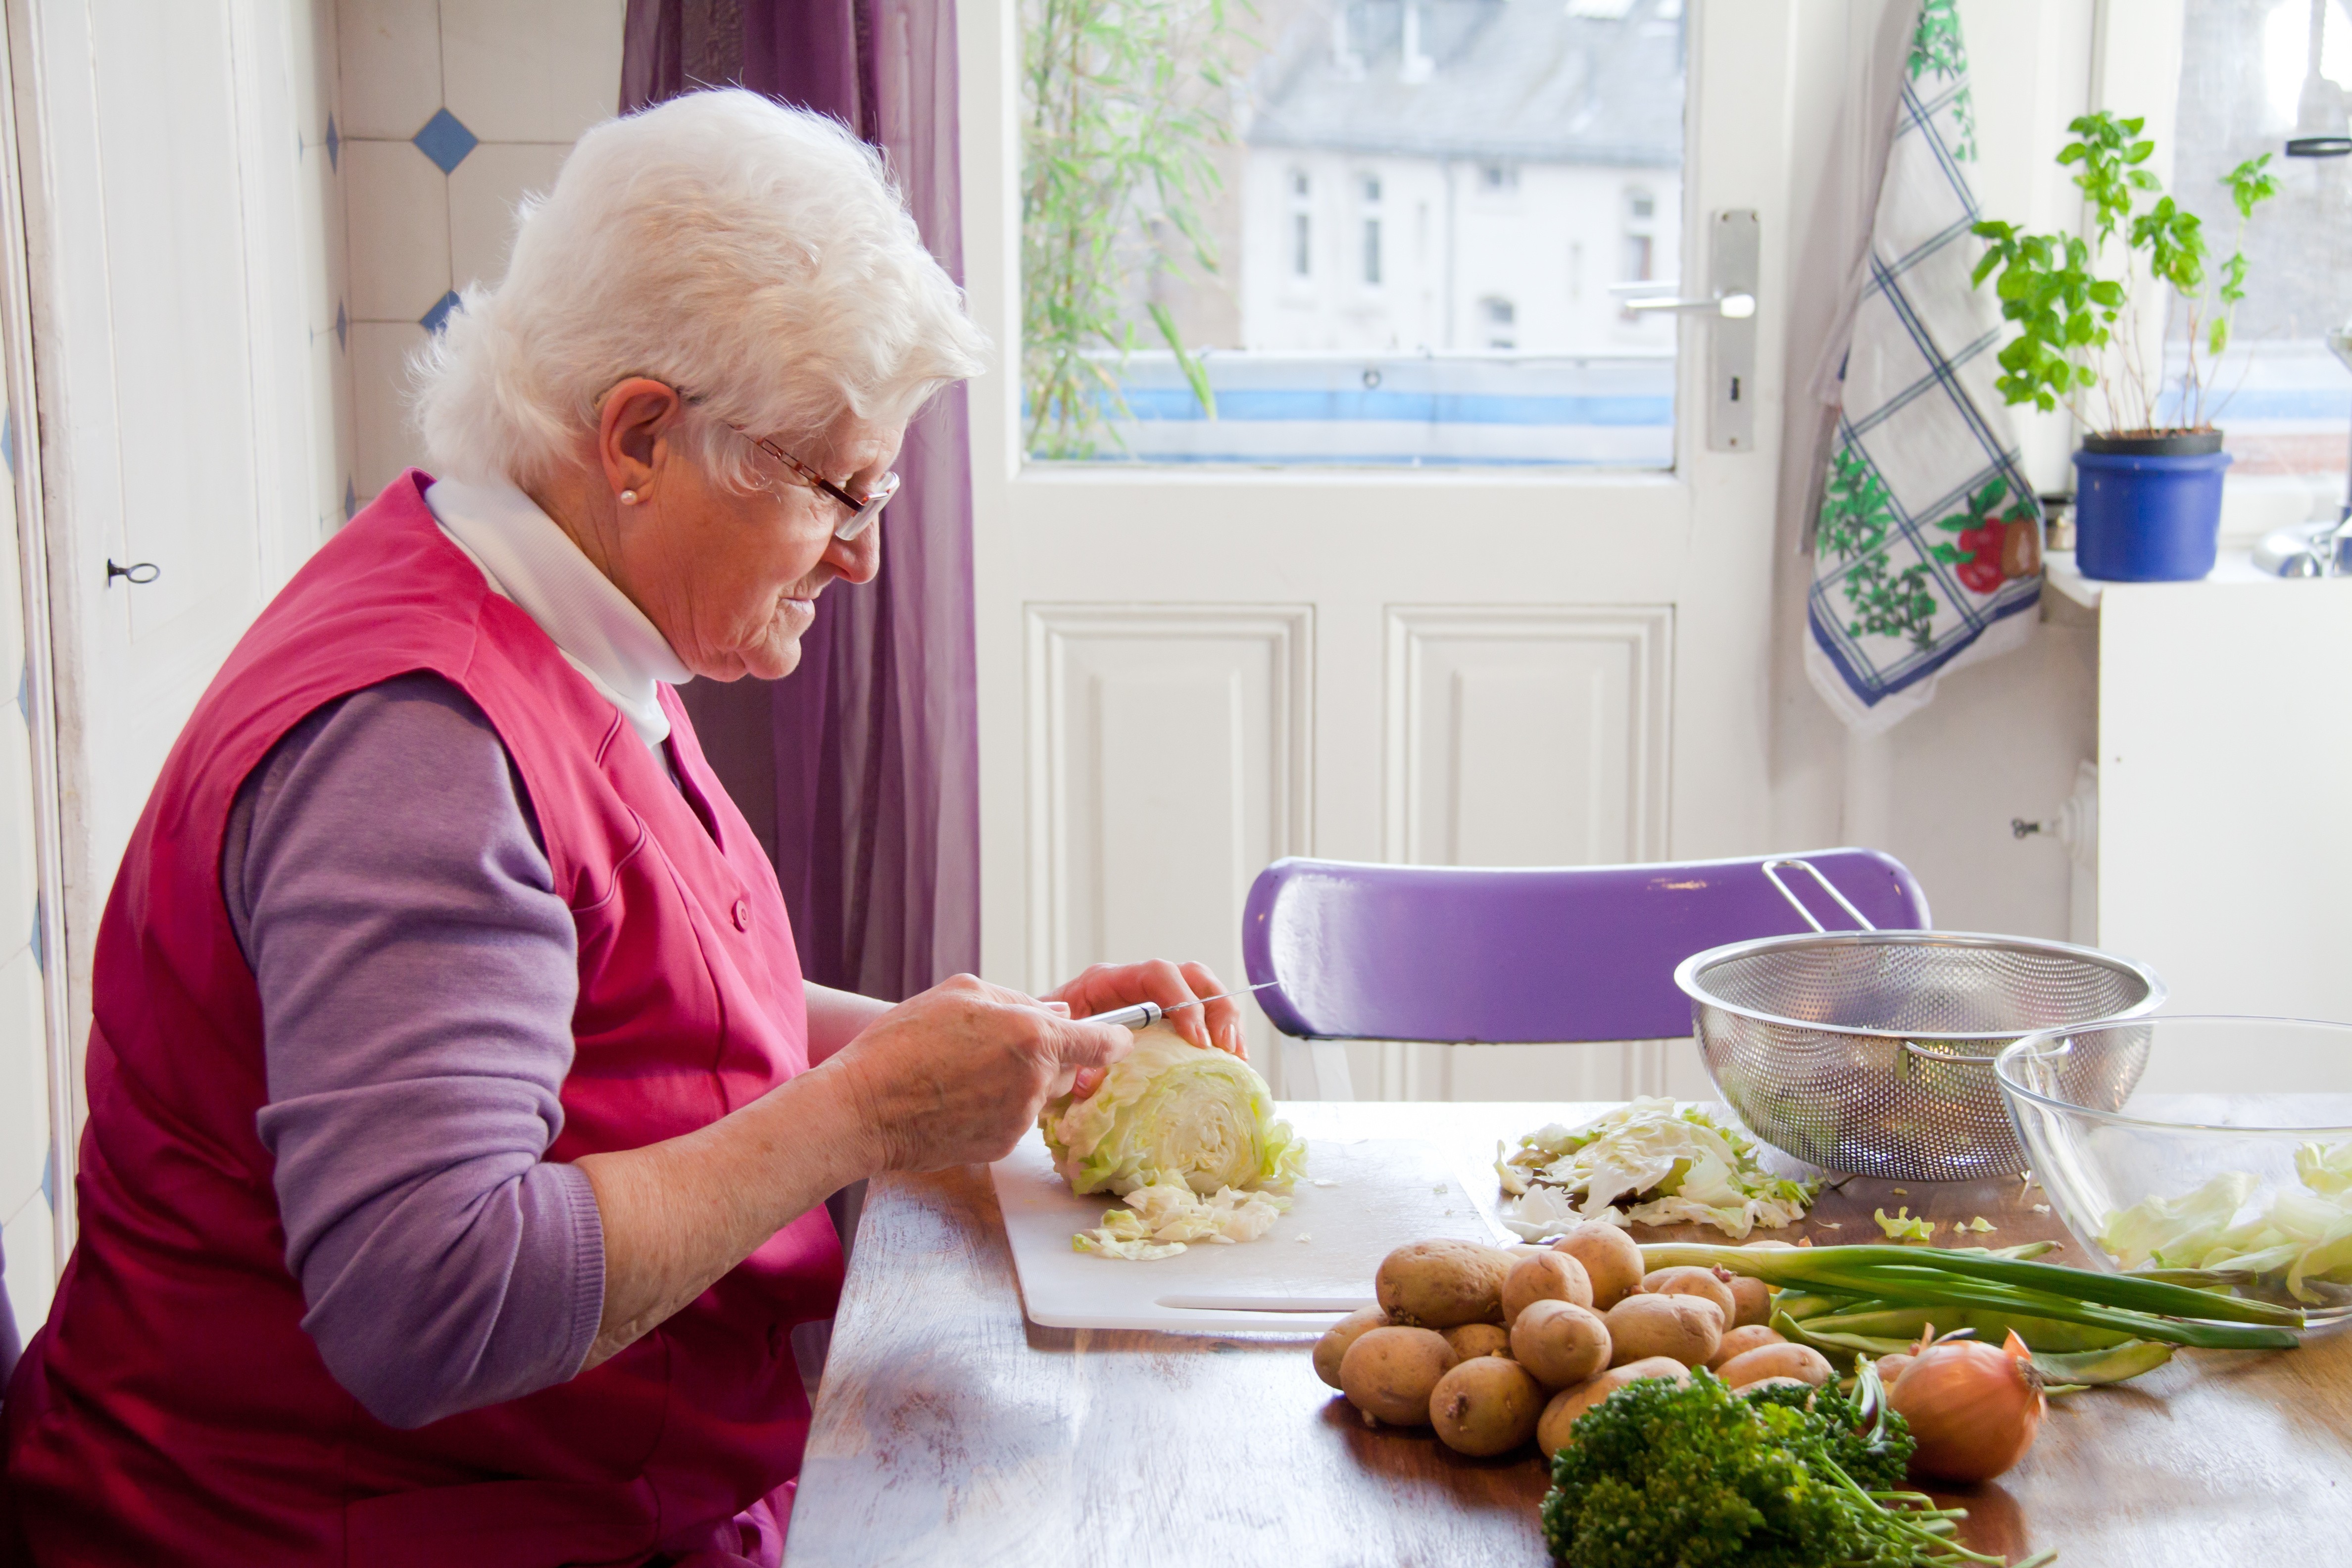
<point>173,1410</point>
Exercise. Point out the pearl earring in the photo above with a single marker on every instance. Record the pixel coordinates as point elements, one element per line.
<point>628,497</point>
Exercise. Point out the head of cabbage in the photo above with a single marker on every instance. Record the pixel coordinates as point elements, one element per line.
<point>1172,1110</point>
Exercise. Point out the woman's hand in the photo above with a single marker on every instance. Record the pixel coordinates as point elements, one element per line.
<point>956,1075</point>
<point>1216,1025</point>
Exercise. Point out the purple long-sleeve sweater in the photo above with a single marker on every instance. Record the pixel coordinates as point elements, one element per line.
<point>418,971</point>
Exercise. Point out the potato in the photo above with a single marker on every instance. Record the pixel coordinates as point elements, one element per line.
<point>1552,1426</point>
<point>1751,1302</point>
<point>1443,1284</point>
<point>1801,1362</point>
<point>1473,1340</point>
<point>1775,1383</point>
<point>1685,1327</point>
<point>1741,1339</point>
<point>1486,1406</point>
<point>1526,1249</point>
<point>1547,1277</point>
<point>1339,1336</point>
<point>1559,1341</point>
<point>1389,1373</point>
<point>1890,1367</point>
<point>1707,1284</point>
<point>1612,1259</point>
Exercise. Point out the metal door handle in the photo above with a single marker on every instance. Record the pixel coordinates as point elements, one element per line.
<point>139,571</point>
<point>1733,254</point>
<point>1730,306</point>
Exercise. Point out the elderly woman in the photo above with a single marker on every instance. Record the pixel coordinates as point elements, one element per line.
<point>460,1126</point>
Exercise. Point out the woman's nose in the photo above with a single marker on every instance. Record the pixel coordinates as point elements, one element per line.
<point>857,559</point>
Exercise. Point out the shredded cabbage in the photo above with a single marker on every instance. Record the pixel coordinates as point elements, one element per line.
<point>2303,1236</point>
<point>1185,1135</point>
<point>1905,1227</point>
<point>1645,1163</point>
<point>1160,1218</point>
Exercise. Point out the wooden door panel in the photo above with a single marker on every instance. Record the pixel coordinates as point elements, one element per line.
<point>1169,761</point>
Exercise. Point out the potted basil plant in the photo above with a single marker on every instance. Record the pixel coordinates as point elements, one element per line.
<point>2147,501</point>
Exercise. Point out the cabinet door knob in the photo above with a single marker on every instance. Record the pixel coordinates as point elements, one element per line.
<point>138,572</point>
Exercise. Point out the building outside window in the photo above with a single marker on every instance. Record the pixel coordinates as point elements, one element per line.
<point>1501,318</point>
<point>1638,250</point>
<point>1302,224</point>
<point>1508,133</point>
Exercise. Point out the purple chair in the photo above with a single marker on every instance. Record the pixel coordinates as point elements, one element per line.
<point>1468,955</point>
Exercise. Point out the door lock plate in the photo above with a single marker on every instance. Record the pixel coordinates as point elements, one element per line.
<point>1733,247</point>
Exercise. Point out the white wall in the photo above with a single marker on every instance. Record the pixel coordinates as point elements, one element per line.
<point>518,80</point>
<point>172,222</point>
<point>28,1233</point>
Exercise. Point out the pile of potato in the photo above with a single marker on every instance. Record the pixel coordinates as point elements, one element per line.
<point>1493,1346</point>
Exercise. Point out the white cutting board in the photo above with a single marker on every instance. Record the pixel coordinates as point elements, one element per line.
<point>1316,1264</point>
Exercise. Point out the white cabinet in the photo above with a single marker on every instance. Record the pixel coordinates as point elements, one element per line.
<point>2225,745</point>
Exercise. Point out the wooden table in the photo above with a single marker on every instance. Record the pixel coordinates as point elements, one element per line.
<point>950,1431</point>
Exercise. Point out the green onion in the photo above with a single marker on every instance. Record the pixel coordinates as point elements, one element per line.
<point>2127,1360</point>
<point>1922,1273</point>
<point>1885,1320</point>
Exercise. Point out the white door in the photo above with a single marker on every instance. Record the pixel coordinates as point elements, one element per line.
<point>1187,670</point>
<point>177,194</point>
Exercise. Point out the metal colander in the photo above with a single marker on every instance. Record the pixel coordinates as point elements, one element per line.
<point>1871,1051</point>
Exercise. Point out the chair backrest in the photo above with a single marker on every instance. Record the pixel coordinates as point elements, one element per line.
<point>1577,952</point>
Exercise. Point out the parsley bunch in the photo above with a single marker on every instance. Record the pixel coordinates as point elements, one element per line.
<point>1673,1475</point>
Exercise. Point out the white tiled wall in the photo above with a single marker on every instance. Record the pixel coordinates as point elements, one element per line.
<point>452,110</point>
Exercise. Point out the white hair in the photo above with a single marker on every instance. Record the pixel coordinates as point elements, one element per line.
<point>756,258</point>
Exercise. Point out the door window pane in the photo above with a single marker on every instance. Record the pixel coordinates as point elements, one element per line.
<point>2249,81</point>
<point>1355,229</point>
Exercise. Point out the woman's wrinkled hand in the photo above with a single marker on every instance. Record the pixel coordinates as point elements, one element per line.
<point>956,1075</point>
<point>1217,1025</point>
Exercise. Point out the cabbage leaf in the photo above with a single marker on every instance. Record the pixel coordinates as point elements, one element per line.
<point>2301,1236</point>
<point>1159,1219</point>
<point>1645,1162</point>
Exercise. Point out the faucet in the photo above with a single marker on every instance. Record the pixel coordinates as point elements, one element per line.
<point>2316,550</point>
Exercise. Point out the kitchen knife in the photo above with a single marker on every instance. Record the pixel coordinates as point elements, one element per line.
<point>1144,1013</point>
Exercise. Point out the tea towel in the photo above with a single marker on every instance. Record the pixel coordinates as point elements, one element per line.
<point>1927,546</point>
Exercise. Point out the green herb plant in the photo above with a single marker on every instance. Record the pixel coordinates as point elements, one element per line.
<point>2078,327</point>
<point>1664,1474</point>
<point>1124,104</point>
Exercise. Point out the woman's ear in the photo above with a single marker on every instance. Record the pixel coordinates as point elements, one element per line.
<point>632,433</point>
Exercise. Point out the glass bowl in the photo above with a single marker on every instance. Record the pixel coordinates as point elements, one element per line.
<point>2231,1154</point>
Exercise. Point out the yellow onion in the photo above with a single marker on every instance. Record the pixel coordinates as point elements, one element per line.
<point>1972,1409</point>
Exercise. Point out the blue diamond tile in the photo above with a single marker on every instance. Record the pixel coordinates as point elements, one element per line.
<point>433,319</point>
<point>351,500</point>
<point>335,145</point>
<point>342,329</point>
<point>446,140</point>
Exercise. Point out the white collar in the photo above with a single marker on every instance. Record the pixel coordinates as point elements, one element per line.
<point>528,559</point>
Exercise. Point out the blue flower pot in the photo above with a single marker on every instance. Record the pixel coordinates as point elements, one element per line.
<point>2148,509</point>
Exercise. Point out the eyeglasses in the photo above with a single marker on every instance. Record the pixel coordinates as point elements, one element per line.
<point>862,512</point>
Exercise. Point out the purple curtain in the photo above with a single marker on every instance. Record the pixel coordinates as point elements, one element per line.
<point>861,768</point>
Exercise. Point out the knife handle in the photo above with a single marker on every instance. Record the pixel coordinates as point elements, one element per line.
<point>1141,1016</point>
